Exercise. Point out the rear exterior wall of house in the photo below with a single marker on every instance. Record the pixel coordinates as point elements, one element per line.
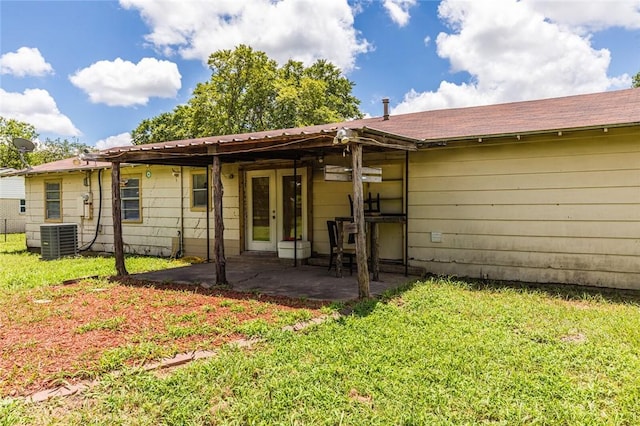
<point>556,209</point>
<point>330,200</point>
<point>162,216</point>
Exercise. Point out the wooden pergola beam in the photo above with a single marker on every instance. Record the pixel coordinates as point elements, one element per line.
<point>250,149</point>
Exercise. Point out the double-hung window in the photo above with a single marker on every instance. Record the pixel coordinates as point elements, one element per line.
<point>23,206</point>
<point>53,200</point>
<point>198,191</point>
<point>130,199</point>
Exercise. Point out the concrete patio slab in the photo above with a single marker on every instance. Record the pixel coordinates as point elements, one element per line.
<point>272,276</point>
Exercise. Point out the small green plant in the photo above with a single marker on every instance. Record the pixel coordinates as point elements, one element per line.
<point>259,308</point>
<point>237,309</point>
<point>188,317</point>
<point>292,317</point>
<point>116,358</point>
<point>254,328</point>
<point>180,331</point>
<point>111,324</point>
<point>208,309</point>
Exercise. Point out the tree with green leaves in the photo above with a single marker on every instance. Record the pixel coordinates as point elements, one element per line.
<point>9,129</point>
<point>57,149</point>
<point>636,80</point>
<point>248,92</point>
<point>166,126</point>
<point>45,152</point>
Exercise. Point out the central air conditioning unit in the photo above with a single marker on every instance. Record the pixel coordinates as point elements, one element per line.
<point>58,240</point>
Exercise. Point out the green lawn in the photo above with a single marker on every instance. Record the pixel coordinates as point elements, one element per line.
<point>20,270</point>
<point>441,352</point>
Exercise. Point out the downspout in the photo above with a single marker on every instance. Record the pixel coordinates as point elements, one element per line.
<point>180,251</point>
<point>295,214</point>
<point>206,178</point>
<point>406,213</point>
<point>95,235</point>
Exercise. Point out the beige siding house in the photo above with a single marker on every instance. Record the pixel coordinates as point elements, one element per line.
<point>538,191</point>
<point>562,209</point>
<point>163,212</point>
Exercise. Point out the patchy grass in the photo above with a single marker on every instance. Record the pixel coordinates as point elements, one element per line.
<point>111,324</point>
<point>52,334</point>
<point>20,269</point>
<point>82,330</point>
<point>442,352</point>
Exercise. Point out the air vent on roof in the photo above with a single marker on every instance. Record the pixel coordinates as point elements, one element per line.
<point>385,107</point>
<point>58,240</point>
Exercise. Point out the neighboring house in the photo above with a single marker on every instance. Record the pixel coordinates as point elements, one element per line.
<point>539,191</point>
<point>12,202</point>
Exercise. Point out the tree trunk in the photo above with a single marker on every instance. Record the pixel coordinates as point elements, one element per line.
<point>218,248</point>
<point>358,218</point>
<point>117,220</point>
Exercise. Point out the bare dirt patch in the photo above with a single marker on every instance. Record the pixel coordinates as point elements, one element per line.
<point>77,331</point>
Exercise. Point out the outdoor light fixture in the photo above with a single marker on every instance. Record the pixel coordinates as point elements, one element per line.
<point>343,136</point>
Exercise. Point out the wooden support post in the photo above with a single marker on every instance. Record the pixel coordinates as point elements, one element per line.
<point>358,218</point>
<point>218,247</point>
<point>116,209</point>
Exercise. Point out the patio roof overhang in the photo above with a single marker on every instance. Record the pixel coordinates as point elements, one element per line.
<point>293,144</point>
<point>280,144</point>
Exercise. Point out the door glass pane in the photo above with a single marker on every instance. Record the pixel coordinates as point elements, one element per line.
<point>260,208</point>
<point>291,208</point>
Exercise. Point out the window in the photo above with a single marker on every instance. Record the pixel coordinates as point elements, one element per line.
<point>23,206</point>
<point>198,191</point>
<point>130,199</point>
<point>53,201</point>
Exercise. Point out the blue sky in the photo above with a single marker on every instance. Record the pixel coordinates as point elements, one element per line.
<point>95,69</point>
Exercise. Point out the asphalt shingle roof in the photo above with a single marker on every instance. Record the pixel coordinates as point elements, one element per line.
<point>606,109</point>
<point>543,115</point>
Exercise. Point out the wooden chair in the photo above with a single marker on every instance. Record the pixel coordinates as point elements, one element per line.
<point>350,253</point>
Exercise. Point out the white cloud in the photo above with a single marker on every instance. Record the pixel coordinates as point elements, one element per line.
<point>123,139</point>
<point>123,83</point>
<point>427,40</point>
<point>398,10</point>
<point>590,15</point>
<point>25,61</point>
<point>512,52</point>
<point>304,30</point>
<point>36,107</point>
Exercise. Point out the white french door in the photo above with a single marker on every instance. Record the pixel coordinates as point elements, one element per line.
<point>277,207</point>
<point>261,203</point>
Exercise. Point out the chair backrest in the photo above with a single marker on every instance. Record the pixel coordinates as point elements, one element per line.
<point>350,204</point>
<point>371,205</point>
<point>332,227</point>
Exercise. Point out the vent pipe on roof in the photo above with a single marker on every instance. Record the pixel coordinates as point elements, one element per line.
<point>385,105</point>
